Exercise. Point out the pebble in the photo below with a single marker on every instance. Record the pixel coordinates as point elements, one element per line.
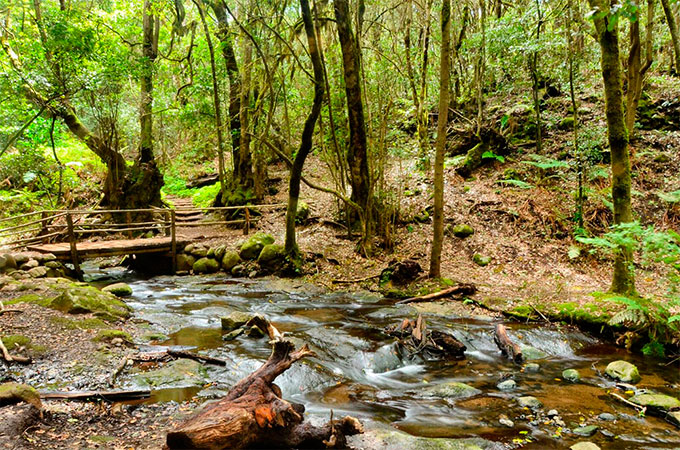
<point>553,413</point>
<point>607,416</point>
<point>503,420</point>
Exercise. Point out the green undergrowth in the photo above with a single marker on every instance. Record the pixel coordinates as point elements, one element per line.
<point>13,341</point>
<point>89,323</point>
<point>110,334</point>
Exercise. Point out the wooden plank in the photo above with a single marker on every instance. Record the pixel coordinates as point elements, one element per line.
<point>110,248</point>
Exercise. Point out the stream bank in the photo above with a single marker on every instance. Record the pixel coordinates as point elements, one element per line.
<point>402,401</point>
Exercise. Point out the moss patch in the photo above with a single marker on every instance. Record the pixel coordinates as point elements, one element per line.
<point>109,335</point>
<point>90,323</point>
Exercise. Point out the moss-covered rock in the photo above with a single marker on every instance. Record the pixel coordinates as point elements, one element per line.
<point>91,323</point>
<point>38,272</point>
<point>181,372</point>
<point>623,371</point>
<point>481,260</point>
<point>185,262</point>
<point>206,265</point>
<point>566,124</point>
<point>302,213</point>
<point>271,257</point>
<point>219,251</point>
<point>119,289</point>
<point>11,393</point>
<point>80,299</point>
<point>251,248</point>
<point>659,401</point>
<point>235,320</point>
<point>462,230</point>
<point>571,375</point>
<point>230,260</point>
<point>453,390</point>
<point>586,431</point>
<point>109,335</point>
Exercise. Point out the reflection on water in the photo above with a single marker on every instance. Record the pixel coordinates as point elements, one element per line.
<point>357,372</point>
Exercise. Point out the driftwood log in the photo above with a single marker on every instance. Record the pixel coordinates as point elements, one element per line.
<point>458,292</point>
<point>415,338</point>
<point>91,396</point>
<point>508,348</point>
<point>253,414</point>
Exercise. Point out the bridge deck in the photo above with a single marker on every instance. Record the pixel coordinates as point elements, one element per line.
<point>109,248</point>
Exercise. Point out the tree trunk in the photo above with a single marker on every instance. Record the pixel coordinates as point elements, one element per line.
<point>675,33</point>
<point>146,84</point>
<point>307,132</point>
<point>608,36</point>
<point>357,154</point>
<point>633,78</point>
<point>216,96</point>
<point>442,123</point>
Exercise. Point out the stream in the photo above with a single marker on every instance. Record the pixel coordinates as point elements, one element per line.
<point>356,371</point>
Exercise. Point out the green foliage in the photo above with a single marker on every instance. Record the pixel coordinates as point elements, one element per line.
<point>205,196</point>
<point>516,183</point>
<point>670,197</point>
<point>656,316</point>
<point>489,154</point>
<point>546,163</point>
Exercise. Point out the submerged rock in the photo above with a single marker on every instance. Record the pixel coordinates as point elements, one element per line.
<point>607,416</point>
<point>181,372</point>
<point>529,402</point>
<point>386,439</point>
<point>623,371</point>
<point>571,375</point>
<point>531,353</point>
<point>586,431</point>
<point>119,289</point>
<point>235,320</point>
<point>507,385</point>
<point>452,390</point>
<point>532,368</point>
<point>660,401</point>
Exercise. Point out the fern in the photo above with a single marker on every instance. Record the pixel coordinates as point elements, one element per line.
<point>516,183</point>
<point>545,163</point>
<point>670,197</point>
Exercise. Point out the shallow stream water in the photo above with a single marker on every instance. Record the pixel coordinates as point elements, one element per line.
<point>356,372</point>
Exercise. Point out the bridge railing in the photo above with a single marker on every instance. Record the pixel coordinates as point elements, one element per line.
<point>45,226</point>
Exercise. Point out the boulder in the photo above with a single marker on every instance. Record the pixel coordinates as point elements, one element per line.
<point>197,251</point>
<point>44,258</point>
<point>251,248</point>
<point>529,402</point>
<point>571,375</point>
<point>623,371</point>
<point>230,260</point>
<point>181,372</point>
<point>238,270</point>
<point>31,263</point>
<point>119,289</point>
<point>185,262</point>
<point>11,393</point>
<point>235,320</point>
<point>7,262</point>
<point>54,265</point>
<point>206,265</point>
<point>271,257</point>
<point>302,213</point>
<point>452,390</point>
<point>658,401</point>
<point>38,272</point>
<point>219,252</point>
<point>21,258</point>
<point>87,299</point>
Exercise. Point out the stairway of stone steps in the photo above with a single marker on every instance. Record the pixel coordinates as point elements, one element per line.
<point>184,216</point>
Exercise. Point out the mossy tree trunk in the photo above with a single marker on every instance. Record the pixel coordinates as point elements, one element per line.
<point>442,123</point>
<point>307,132</point>
<point>357,154</point>
<point>608,36</point>
<point>675,33</point>
<point>636,71</point>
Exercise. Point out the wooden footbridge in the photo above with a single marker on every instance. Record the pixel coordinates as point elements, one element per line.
<point>75,235</point>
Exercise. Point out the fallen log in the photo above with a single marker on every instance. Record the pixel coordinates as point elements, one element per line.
<point>109,396</point>
<point>253,414</point>
<point>508,348</point>
<point>415,338</point>
<point>168,354</point>
<point>460,292</point>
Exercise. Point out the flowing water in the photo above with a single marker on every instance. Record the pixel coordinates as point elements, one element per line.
<point>356,371</point>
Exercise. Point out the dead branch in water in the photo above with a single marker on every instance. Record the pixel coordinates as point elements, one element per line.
<point>459,292</point>
<point>508,348</point>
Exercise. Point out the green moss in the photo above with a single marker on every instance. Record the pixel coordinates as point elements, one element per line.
<point>92,323</point>
<point>109,335</point>
<point>87,299</point>
<point>13,340</point>
<point>29,298</point>
<point>101,439</point>
<point>588,313</point>
<point>155,337</point>
<point>14,392</point>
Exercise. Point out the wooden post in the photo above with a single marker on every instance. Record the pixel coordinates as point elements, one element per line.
<point>173,241</point>
<point>128,219</point>
<point>74,250</point>
<point>166,218</point>
<point>43,224</point>
<point>246,225</point>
